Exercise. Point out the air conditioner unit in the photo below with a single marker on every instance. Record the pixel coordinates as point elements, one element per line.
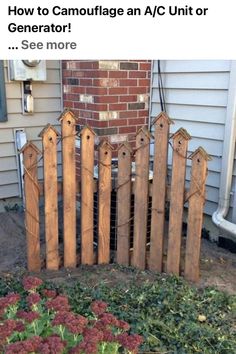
<point>27,70</point>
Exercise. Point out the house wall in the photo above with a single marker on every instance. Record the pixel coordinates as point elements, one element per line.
<point>196,94</point>
<point>47,108</point>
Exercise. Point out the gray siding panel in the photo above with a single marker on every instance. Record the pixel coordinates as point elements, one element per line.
<point>217,98</point>
<point>194,66</point>
<point>215,81</point>
<point>196,94</point>
<point>47,108</point>
<point>194,113</point>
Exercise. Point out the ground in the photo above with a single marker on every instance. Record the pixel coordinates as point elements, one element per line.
<point>218,266</point>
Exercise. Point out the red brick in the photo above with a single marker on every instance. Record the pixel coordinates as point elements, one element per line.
<point>67,73</point>
<point>137,90</point>
<point>136,121</point>
<point>96,115</point>
<point>76,73</point>
<point>86,114</point>
<point>117,107</point>
<point>96,90</point>
<point>128,82</point>
<point>114,152</point>
<point>117,122</point>
<point>137,74</point>
<point>86,82</point>
<point>77,89</point>
<point>72,97</point>
<point>76,112</point>
<point>79,105</point>
<point>144,82</point>
<point>87,64</point>
<point>67,103</point>
<point>118,91</point>
<point>143,113</point>
<point>81,121</point>
<point>96,107</point>
<point>128,114</point>
<point>118,74</point>
<point>95,73</point>
<point>145,66</point>
<point>105,82</point>
<point>106,99</point>
<point>127,130</point>
<point>128,98</point>
<point>103,124</point>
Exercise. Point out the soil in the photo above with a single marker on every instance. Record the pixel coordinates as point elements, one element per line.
<point>218,266</point>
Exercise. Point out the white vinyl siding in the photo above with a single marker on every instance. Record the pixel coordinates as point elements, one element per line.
<point>47,108</point>
<point>196,94</point>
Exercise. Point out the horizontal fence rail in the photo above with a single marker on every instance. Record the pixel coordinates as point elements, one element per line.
<point>143,201</point>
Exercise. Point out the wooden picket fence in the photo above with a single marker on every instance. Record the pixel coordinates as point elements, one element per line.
<point>141,255</point>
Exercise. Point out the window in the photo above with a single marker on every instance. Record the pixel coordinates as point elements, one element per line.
<point>3,108</point>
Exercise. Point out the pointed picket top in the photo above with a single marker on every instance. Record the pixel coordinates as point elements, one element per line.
<point>126,146</point>
<point>182,133</point>
<point>47,129</point>
<point>67,114</point>
<point>164,117</point>
<point>202,152</point>
<point>87,128</point>
<point>105,145</point>
<point>144,130</point>
<point>31,145</point>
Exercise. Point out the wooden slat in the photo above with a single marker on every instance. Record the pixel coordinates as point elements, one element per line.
<point>141,197</point>
<point>180,144</point>
<point>123,203</point>
<point>104,206</point>
<point>69,188</point>
<point>195,213</point>
<point>30,153</point>
<point>49,138</point>
<point>95,189</point>
<point>87,187</point>
<point>162,124</point>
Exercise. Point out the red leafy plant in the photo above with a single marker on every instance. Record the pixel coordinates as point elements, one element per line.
<point>48,326</point>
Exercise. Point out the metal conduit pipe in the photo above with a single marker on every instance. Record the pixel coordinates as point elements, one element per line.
<point>219,215</point>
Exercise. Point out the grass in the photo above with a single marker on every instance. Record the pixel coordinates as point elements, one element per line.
<point>173,316</point>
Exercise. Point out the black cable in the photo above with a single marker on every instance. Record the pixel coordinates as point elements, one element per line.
<point>161,88</point>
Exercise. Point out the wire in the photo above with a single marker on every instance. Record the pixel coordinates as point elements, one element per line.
<point>161,88</point>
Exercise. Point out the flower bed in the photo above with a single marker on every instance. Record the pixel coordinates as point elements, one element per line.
<point>47,325</point>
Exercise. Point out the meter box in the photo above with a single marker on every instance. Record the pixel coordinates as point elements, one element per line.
<point>27,70</point>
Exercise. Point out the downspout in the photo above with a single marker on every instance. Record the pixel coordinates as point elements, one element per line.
<point>219,215</point>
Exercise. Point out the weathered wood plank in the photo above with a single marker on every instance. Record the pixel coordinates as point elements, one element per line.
<point>123,203</point>
<point>30,154</point>
<point>49,139</point>
<point>87,187</point>
<point>69,188</point>
<point>104,202</point>
<point>180,144</point>
<point>141,197</point>
<point>195,213</point>
<point>162,124</point>
<point>95,189</point>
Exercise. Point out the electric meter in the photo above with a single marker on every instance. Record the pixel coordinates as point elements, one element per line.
<point>31,63</point>
<point>27,70</point>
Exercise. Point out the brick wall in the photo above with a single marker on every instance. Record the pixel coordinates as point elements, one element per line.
<point>110,96</point>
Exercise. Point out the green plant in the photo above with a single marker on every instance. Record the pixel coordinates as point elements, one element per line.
<point>48,325</point>
<point>171,315</point>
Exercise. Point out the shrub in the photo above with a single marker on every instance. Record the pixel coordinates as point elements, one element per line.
<point>47,325</point>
